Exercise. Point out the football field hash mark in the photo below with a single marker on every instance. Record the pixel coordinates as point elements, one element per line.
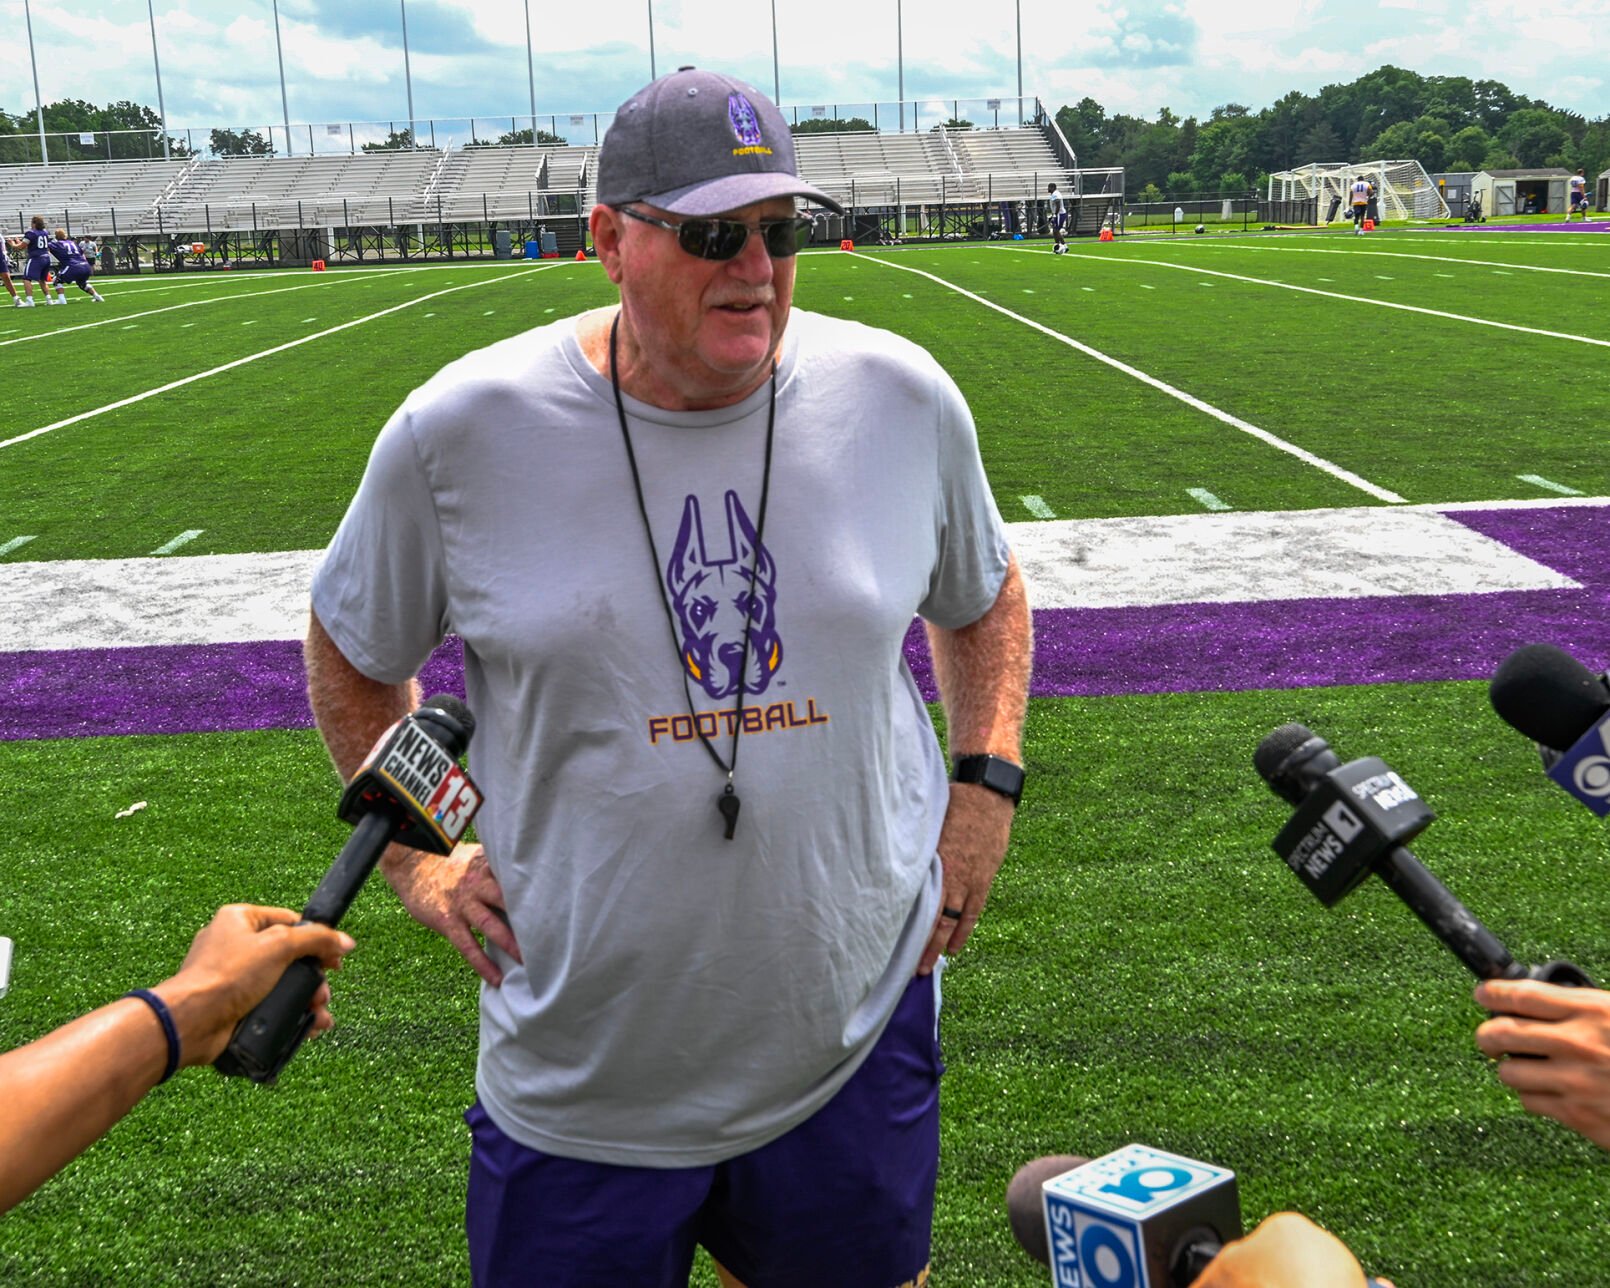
<point>1208,500</point>
<point>15,543</point>
<point>183,539</point>
<point>1548,485</point>
<point>1036,506</point>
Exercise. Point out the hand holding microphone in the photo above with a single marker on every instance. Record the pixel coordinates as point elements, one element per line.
<point>1166,1221</point>
<point>411,789</point>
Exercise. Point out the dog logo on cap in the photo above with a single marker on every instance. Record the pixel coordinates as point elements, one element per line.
<point>745,127</point>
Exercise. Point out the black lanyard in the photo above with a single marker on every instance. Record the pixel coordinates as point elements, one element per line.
<point>727,802</point>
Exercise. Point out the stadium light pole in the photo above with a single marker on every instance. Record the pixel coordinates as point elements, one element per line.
<point>776,78</point>
<point>408,76</point>
<point>162,110</point>
<point>39,103</point>
<point>900,64</point>
<point>652,74</point>
<point>285,105</point>
<point>1018,5</point>
<point>531,72</point>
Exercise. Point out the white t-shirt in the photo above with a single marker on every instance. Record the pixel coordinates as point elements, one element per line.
<point>683,998</point>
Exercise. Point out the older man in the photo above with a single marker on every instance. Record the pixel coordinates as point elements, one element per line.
<point>682,540</point>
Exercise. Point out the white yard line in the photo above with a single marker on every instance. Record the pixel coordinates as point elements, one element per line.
<point>168,308</point>
<point>1035,505</point>
<point>1235,422</point>
<point>1133,261</point>
<point>1207,500</point>
<point>1402,254</point>
<point>241,362</point>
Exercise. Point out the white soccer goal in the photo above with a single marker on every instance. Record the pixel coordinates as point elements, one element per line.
<point>1403,188</point>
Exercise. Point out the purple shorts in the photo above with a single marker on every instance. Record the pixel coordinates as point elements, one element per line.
<point>844,1199</point>
<point>73,275</point>
<point>35,269</point>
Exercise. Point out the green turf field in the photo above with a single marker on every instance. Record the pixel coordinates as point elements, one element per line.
<point>1147,969</point>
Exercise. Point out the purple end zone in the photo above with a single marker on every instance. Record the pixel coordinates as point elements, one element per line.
<point>202,688</point>
<point>1171,648</point>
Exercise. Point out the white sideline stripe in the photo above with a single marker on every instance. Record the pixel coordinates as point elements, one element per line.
<point>1070,563</point>
<point>1352,299</point>
<point>1035,505</point>
<point>1403,254</point>
<point>1235,422</point>
<point>1329,295</point>
<point>166,308</point>
<point>15,543</point>
<point>1236,557</point>
<point>183,539</point>
<point>1537,480</point>
<point>241,362</point>
<point>1208,500</point>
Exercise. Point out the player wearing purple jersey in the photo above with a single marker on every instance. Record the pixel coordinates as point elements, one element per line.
<point>35,242</point>
<point>72,267</point>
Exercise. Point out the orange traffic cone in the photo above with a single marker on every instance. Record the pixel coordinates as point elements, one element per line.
<point>581,254</point>
<point>1104,235</point>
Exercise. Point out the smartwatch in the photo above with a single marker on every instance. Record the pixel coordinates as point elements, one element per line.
<point>994,772</point>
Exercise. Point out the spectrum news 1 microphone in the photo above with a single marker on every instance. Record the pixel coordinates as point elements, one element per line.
<point>1135,1218</point>
<point>410,788</point>
<point>1352,820</point>
<point>1564,708</point>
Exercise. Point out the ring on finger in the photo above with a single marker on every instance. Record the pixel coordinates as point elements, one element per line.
<point>952,914</point>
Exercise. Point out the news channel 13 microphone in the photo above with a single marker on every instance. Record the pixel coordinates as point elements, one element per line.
<point>1351,820</point>
<point>1135,1218</point>
<point>1546,694</point>
<point>410,788</point>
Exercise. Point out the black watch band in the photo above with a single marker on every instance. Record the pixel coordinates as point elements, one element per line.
<point>994,772</point>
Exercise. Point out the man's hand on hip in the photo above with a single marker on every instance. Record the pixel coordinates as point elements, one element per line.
<point>457,896</point>
<point>972,844</point>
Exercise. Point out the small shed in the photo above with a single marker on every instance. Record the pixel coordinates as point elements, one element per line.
<point>1602,192</point>
<point>1535,191</point>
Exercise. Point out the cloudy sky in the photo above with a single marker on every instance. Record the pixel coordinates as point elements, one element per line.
<point>344,58</point>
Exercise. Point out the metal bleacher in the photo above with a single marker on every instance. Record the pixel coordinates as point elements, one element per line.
<point>914,172</point>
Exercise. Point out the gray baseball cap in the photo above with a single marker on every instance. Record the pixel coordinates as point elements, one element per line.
<point>698,143</point>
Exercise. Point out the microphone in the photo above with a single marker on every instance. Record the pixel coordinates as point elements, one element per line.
<point>1351,820</point>
<point>1135,1216</point>
<point>410,788</point>
<point>1559,704</point>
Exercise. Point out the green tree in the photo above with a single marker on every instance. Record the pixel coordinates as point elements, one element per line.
<point>1467,148</point>
<point>238,143</point>
<point>396,140</point>
<point>831,125</point>
<point>524,139</point>
<point>956,123</point>
<point>1533,134</point>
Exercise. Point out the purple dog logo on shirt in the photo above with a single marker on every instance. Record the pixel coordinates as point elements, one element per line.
<point>716,600</point>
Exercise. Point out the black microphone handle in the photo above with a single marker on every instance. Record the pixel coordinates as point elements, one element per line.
<point>374,832</point>
<point>1448,919</point>
<point>1192,1257</point>
<point>264,1042</point>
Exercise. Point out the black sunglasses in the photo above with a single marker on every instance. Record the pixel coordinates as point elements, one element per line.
<point>725,238</point>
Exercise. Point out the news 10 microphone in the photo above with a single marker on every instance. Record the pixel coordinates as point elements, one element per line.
<point>410,788</point>
<point>1351,821</point>
<point>1136,1218</point>
<point>1564,708</point>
